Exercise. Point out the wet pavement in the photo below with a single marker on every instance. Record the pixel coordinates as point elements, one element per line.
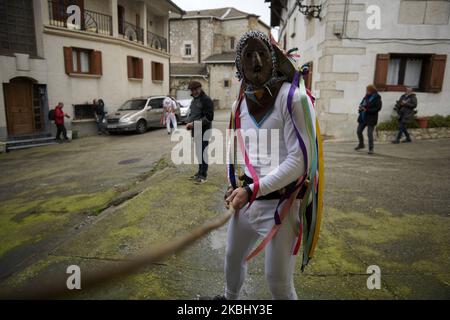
<point>100,200</point>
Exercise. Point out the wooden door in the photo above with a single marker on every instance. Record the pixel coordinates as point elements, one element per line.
<point>121,18</point>
<point>19,107</point>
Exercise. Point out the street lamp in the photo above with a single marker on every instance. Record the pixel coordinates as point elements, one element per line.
<point>310,10</point>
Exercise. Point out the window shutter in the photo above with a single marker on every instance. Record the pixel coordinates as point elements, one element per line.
<point>140,69</point>
<point>130,67</point>
<point>154,76</point>
<point>436,79</point>
<point>381,71</point>
<point>96,63</point>
<point>68,59</point>
<point>161,72</point>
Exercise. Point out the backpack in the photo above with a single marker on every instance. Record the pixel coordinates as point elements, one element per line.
<point>51,115</point>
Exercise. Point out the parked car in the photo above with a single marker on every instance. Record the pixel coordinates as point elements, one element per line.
<point>138,114</point>
<point>185,109</point>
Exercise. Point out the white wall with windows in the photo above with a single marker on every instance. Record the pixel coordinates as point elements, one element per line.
<point>113,85</point>
<point>411,33</point>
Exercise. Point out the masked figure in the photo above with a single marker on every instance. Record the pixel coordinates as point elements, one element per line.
<point>268,195</point>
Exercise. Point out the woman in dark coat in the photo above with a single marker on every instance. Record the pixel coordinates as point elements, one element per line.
<point>405,108</point>
<point>368,116</point>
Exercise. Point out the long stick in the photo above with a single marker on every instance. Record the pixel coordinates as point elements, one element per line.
<point>110,273</point>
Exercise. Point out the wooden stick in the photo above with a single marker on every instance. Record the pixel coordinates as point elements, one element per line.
<point>108,274</point>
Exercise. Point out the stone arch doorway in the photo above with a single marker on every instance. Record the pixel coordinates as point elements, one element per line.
<point>24,105</point>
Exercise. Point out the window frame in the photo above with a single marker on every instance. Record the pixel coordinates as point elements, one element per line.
<point>95,67</point>
<point>157,71</point>
<point>432,72</point>
<point>232,43</point>
<point>78,52</point>
<point>136,66</point>
<point>400,86</point>
<point>186,45</point>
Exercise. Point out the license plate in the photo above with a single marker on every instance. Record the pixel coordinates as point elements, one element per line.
<point>112,126</point>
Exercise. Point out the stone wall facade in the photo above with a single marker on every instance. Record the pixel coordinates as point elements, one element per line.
<point>416,134</point>
<point>217,37</point>
<point>344,50</point>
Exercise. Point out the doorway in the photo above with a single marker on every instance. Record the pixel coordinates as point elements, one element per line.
<point>25,102</point>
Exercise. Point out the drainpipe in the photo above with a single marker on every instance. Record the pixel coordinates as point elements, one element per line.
<point>199,39</point>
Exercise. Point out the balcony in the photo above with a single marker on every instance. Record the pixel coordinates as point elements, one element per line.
<point>102,24</point>
<point>156,41</point>
<point>91,21</point>
<point>131,32</point>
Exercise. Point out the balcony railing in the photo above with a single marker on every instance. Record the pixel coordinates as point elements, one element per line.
<point>91,21</point>
<point>100,23</point>
<point>157,42</point>
<point>131,32</point>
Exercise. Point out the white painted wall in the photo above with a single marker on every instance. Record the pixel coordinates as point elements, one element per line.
<point>425,20</point>
<point>114,86</point>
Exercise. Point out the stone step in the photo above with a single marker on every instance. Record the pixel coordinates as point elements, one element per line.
<point>32,145</point>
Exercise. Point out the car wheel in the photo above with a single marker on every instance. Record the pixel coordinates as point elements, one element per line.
<point>141,127</point>
<point>177,119</point>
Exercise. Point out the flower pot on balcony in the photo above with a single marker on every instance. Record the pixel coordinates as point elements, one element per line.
<point>422,122</point>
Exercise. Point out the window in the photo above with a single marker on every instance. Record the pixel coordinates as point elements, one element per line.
<point>157,71</point>
<point>121,18</point>
<point>83,111</point>
<point>156,103</point>
<point>232,43</point>
<point>82,61</point>
<point>423,72</point>
<point>17,27</point>
<point>138,104</point>
<point>188,49</point>
<point>135,67</point>
<point>226,83</point>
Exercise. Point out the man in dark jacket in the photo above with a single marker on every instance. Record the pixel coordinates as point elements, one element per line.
<point>405,109</point>
<point>99,110</point>
<point>202,112</point>
<point>368,116</point>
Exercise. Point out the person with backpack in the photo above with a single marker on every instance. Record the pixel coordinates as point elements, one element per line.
<point>59,116</point>
<point>405,108</point>
<point>368,111</point>
<point>265,192</point>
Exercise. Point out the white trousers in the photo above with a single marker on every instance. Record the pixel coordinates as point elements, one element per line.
<point>171,118</point>
<point>244,231</point>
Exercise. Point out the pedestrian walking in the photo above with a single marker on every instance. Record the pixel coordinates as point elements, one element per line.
<point>170,118</point>
<point>59,122</point>
<point>202,112</point>
<point>368,116</point>
<point>405,108</point>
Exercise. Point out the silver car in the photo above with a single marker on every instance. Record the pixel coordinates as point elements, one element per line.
<point>138,114</point>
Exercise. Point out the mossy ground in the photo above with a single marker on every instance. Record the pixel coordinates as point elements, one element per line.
<point>374,215</point>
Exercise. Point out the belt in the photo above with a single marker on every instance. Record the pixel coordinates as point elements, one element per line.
<point>276,195</point>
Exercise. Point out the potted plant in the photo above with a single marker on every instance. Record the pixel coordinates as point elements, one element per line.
<point>422,121</point>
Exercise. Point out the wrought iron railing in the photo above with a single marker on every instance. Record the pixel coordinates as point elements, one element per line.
<point>90,21</point>
<point>156,41</point>
<point>131,32</point>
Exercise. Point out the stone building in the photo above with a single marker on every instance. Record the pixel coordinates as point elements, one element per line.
<point>202,45</point>
<point>51,51</point>
<point>392,44</point>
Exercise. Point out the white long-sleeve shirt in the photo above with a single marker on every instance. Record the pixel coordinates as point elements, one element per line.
<point>274,175</point>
